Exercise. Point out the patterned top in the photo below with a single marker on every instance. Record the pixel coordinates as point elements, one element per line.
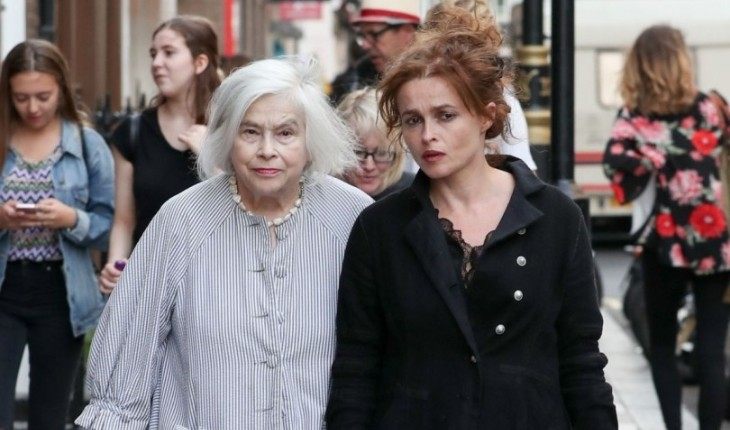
<point>212,328</point>
<point>31,182</point>
<point>688,226</point>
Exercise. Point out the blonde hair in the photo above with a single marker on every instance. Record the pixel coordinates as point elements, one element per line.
<point>360,110</point>
<point>658,76</point>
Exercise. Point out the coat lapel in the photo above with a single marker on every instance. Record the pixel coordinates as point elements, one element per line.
<point>427,240</point>
<point>426,237</point>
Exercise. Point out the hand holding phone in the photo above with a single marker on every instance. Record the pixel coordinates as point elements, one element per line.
<point>26,208</point>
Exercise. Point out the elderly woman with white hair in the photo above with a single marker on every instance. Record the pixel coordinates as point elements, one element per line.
<point>224,316</point>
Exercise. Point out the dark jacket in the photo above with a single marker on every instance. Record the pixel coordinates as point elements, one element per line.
<point>408,356</point>
<point>359,75</point>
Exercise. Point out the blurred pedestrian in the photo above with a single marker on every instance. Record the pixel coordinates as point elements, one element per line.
<point>467,301</point>
<point>154,152</point>
<point>224,317</point>
<point>665,142</point>
<point>57,191</point>
<point>379,172</point>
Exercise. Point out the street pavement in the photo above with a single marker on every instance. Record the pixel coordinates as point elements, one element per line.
<point>627,369</point>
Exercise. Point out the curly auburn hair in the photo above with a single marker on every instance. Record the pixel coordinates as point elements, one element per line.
<point>461,48</point>
<point>657,76</point>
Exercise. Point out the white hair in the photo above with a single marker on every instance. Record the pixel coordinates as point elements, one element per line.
<point>329,141</point>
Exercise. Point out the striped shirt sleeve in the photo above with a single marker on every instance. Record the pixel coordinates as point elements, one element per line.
<point>128,343</point>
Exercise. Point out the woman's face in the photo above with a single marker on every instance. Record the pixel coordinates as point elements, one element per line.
<point>441,133</point>
<point>35,97</point>
<point>370,174</point>
<point>173,67</point>
<point>269,155</point>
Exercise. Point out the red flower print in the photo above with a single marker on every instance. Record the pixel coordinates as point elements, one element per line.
<point>685,186</point>
<point>688,123</point>
<point>708,220</point>
<point>704,141</point>
<point>681,232</point>
<point>617,149</point>
<point>618,193</point>
<point>677,256</point>
<point>654,132</point>
<point>622,129</point>
<point>665,225</point>
<point>654,155</point>
<point>707,264</point>
<point>710,112</point>
<point>640,171</point>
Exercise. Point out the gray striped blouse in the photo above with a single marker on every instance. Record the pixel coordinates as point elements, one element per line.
<point>212,328</point>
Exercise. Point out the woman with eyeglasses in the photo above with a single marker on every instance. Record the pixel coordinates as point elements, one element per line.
<point>380,169</point>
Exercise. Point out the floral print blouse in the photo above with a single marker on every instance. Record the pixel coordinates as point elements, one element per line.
<point>688,226</point>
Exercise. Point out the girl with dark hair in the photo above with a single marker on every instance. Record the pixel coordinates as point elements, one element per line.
<point>155,153</point>
<point>56,190</point>
<point>664,151</point>
<point>468,300</point>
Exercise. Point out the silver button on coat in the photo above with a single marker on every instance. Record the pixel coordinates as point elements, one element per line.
<point>522,231</point>
<point>499,329</point>
<point>521,261</point>
<point>518,295</point>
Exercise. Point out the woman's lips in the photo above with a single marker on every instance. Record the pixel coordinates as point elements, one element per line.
<point>368,179</point>
<point>432,156</point>
<point>266,172</point>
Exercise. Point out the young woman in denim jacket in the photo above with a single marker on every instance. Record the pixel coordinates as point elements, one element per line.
<point>56,191</point>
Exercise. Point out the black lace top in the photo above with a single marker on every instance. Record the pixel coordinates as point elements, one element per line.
<point>464,256</point>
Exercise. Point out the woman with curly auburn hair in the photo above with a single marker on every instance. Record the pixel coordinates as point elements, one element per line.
<point>664,149</point>
<point>466,301</point>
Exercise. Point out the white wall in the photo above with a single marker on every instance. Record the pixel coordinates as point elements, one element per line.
<point>140,18</point>
<point>12,24</point>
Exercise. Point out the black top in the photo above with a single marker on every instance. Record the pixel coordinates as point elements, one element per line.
<point>160,171</point>
<point>358,75</point>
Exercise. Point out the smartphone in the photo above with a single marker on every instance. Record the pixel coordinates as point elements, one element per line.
<point>28,208</point>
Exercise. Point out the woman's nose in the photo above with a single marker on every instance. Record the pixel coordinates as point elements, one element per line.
<point>368,163</point>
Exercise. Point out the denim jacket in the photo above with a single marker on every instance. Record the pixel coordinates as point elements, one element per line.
<point>88,187</point>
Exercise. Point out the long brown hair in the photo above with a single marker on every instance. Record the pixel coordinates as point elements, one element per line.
<point>200,38</point>
<point>658,76</point>
<point>462,49</point>
<point>34,55</point>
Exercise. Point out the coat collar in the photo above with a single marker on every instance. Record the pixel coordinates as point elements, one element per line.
<point>428,241</point>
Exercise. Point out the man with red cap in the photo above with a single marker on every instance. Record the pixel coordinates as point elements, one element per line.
<point>384,29</point>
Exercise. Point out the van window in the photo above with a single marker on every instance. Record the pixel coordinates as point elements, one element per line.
<point>610,63</point>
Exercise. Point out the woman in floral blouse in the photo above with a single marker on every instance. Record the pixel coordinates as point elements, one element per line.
<point>667,137</point>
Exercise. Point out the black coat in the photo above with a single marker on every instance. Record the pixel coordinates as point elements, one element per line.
<point>408,355</point>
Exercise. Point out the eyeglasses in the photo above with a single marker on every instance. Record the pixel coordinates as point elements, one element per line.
<point>372,36</point>
<point>380,156</point>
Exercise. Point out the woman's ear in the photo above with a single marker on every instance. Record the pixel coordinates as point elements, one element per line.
<point>201,63</point>
<point>488,117</point>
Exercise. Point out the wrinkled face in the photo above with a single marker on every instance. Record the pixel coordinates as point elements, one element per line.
<point>173,68</point>
<point>383,43</point>
<point>375,159</point>
<point>269,155</point>
<point>35,97</point>
<point>441,133</point>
